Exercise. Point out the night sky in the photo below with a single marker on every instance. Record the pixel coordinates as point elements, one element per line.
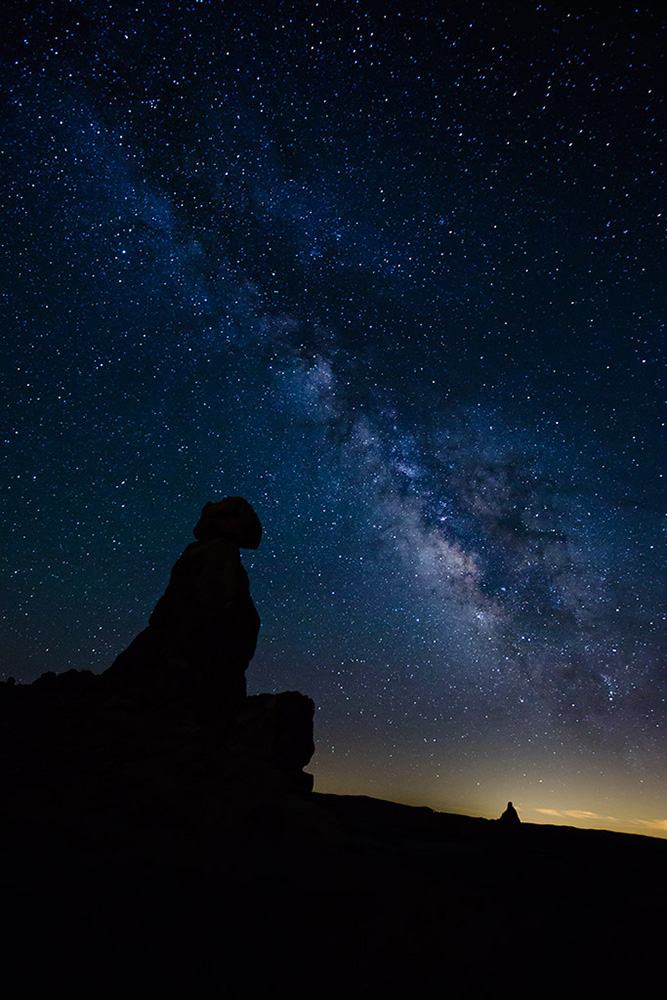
<point>391,272</point>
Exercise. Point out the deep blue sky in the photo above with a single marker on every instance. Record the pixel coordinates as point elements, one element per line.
<point>393,273</point>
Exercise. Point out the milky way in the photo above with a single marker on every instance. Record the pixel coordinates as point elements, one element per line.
<point>391,272</point>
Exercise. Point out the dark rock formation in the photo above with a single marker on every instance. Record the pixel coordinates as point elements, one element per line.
<point>508,827</point>
<point>203,631</point>
<point>171,713</point>
<point>276,728</point>
<point>510,818</point>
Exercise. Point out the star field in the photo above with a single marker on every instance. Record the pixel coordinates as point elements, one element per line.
<point>393,273</point>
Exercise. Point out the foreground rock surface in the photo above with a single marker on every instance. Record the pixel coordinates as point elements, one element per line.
<point>334,895</point>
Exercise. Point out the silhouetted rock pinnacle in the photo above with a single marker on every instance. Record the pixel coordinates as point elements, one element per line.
<point>170,718</point>
<point>510,817</point>
<point>203,631</point>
